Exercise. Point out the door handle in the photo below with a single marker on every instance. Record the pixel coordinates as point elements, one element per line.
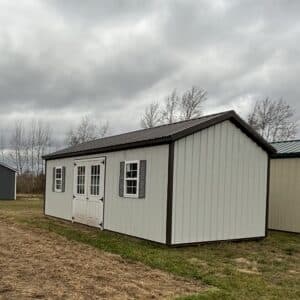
<point>87,198</point>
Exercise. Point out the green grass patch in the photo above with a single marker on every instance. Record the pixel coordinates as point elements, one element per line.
<point>266,269</point>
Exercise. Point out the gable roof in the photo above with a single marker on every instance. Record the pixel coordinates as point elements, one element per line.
<point>2,164</point>
<point>287,148</point>
<point>163,134</point>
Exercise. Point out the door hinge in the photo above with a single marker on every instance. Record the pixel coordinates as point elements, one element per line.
<point>101,225</point>
<point>74,197</point>
<point>101,199</point>
<point>75,164</point>
<point>103,162</point>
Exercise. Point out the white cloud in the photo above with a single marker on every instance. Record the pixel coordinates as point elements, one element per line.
<point>60,60</point>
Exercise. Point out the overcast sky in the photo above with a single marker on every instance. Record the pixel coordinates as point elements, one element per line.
<point>61,59</point>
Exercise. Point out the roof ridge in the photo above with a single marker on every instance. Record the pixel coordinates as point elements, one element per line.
<point>163,134</point>
<point>145,129</point>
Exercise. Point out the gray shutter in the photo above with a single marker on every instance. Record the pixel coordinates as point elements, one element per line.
<point>142,181</point>
<point>53,180</point>
<point>121,179</point>
<point>63,177</point>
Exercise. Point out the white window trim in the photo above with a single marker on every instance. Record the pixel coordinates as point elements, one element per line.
<point>61,179</point>
<point>137,179</point>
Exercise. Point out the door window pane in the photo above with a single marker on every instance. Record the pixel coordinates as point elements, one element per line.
<point>81,180</point>
<point>95,180</point>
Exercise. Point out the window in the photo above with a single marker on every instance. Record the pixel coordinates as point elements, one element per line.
<point>58,179</point>
<point>81,180</point>
<point>131,179</point>
<point>95,180</point>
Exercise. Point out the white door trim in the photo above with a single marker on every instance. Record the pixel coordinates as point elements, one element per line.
<point>101,159</point>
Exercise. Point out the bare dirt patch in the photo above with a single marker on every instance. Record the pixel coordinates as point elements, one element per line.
<point>41,265</point>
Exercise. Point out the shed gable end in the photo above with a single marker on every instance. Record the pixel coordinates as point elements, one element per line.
<point>219,186</point>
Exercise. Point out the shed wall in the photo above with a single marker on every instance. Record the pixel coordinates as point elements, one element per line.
<point>7,184</point>
<point>284,206</point>
<point>144,218</point>
<point>219,186</point>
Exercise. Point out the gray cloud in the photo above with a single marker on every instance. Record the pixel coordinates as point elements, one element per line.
<point>60,60</point>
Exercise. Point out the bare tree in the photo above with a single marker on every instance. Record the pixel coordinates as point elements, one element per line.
<point>31,141</point>
<point>43,143</point>
<point>191,103</point>
<point>18,146</point>
<point>169,112</point>
<point>27,147</point>
<point>37,143</point>
<point>87,130</point>
<point>2,147</point>
<point>273,119</point>
<point>152,116</point>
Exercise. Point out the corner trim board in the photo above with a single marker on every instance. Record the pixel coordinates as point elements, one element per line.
<point>170,194</point>
<point>45,192</point>
<point>267,197</point>
<point>104,189</point>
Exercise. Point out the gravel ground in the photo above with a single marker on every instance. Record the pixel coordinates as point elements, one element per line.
<point>41,265</point>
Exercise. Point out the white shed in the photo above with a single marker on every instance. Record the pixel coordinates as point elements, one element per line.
<point>193,181</point>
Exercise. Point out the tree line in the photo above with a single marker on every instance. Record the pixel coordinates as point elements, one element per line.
<point>273,119</point>
<point>28,144</point>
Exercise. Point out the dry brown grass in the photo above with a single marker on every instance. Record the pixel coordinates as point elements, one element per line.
<point>265,269</point>
<point>38,265</point>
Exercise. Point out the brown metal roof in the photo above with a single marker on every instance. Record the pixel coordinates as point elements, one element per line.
<point>158,135</point>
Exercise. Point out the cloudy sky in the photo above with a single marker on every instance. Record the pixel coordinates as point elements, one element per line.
<point>62,59</point>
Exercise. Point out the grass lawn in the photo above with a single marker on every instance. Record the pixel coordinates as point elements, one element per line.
<point>267,269</point>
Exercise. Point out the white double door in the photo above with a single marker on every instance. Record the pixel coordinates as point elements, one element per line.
<point>89,191</point>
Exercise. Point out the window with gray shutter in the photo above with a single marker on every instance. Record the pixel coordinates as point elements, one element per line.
<point>132,182</point>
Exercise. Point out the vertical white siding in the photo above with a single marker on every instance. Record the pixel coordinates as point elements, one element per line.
<point>144,218</point>
<point>284,205</point>
<point>219,190</point>
<point>60,204</point>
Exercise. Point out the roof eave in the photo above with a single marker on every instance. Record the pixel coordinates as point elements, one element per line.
<point>286,155</point>
<point>140,144</point>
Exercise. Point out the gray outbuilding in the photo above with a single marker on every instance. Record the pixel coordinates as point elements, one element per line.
<point>193,181</point>
<point>284,212</point>
<point>8,182</point>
